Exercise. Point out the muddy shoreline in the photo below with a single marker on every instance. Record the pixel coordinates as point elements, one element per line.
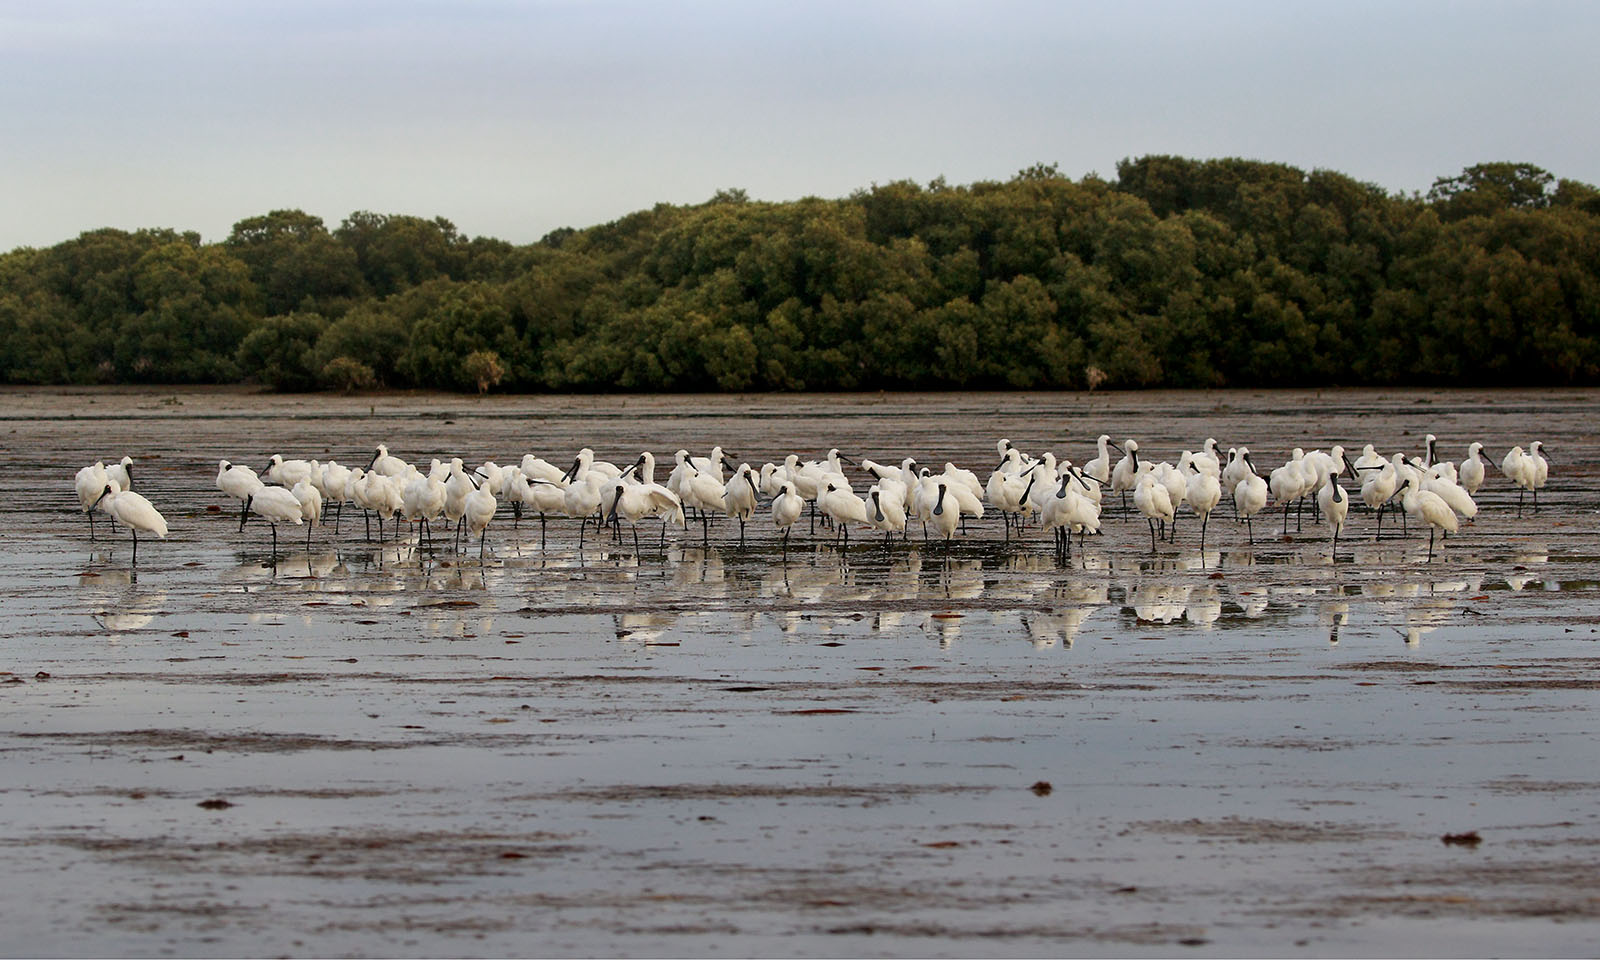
<point>703,749</point>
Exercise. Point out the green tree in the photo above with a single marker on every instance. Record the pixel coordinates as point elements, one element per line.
<point>295,262</point>
<point>281,351</point>
<point>394,253</point>
<point>372,335</point>
<point>1485,188</point>
<point>347,374</point>
<point>483,368</point>
<point>466,319</point>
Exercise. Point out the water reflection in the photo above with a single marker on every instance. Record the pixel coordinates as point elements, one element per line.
<point>129,612</point>
<point>973,593</point>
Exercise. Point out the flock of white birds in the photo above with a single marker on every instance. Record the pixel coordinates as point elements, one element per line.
<point>1054,494</point>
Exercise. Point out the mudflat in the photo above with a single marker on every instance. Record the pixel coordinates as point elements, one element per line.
<point>697,747</point>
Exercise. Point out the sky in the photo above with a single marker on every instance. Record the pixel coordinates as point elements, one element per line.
<point>511,119</point>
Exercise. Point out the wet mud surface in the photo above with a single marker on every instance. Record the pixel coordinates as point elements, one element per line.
<point>708,749</point>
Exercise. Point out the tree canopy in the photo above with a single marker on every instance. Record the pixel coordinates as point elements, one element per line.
<point>1179,273</point>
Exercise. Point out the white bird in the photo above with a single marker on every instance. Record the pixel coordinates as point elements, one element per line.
<point>1335,505</point>
<point>714,464</point>
<point>1042,479</point>
<point>843,508</point>
<point>422,501</point>
<point>946,512</point>
<point>457,488</point>
<point>1236,469</point>
<point>635,501</point>
<point>310,506</point>
<point>680,472</point>
<point>581,500</point>
<point>384,465</point>
<point>703,491</point>
<point>1453,494</point>
<point>275,505</point>
<point>336,488</point>
<point>132,511</point>
<point>965,489</point>
<point>1126,473</point>
<point>89,483</point>
<point>1517,470</point>
<point>239,482</point>
<point>786,508</point>
<point>121,473</point>
<point>544,496</point>
<point>1541,469</point>
<point>1175,480</point>
<point>1377,489</point>
<point>1471,472</point>
<point>883,472</point>
<point>605,468</point>
<point>888,511</point>
<point>1429,508</point>
<point>1250,495</point>
<point>1006,488</point>
<point>537,468</point>
<point>1067,510</point>
<point>1150,498</point>
<point>1100,467</point>
<point>287,473</point>
<point>1012,460</point>
<point>479,510</point>
<point>1369,461</point>
<point>971,490</point>
<point>381,495</point>
<point>1289,483</point>
<point>739,496</point>
<point>1203,492</point>
<point>772,477</point>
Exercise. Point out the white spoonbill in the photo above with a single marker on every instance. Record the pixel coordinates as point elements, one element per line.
<point>385,465</point>
<point>888,511</point>
<point>786,508</point>
<point>132,511</point>
<point>1126,473</point>
<point>89,484</point>
<point>635,501</point>
<point>1471,472</point>
<point>1335,505</point>
<point>739,496</point>
<point>1100,467</point>
<point>1250,496</point>
<point>310,506</point>
<point>1202,492</point>
<point>946,513</point>
<point>1150,498</point>
<point>275,505</point>
<point>286,473</point>
<point>1428,507</point>
<point>480,508</point>
<point>1541,470</point>
<point>843,508</point>
<point>239,482</point>
<point>121,473</point>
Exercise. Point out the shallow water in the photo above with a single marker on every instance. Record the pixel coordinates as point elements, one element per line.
<point>703,748</point>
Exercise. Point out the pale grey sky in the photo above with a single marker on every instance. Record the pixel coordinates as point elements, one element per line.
<point>514,118</point>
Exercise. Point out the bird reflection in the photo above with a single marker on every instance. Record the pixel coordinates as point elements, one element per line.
<point>944,627</point>
<point>645,628</point>
<point>1159,602</point>
<point>1205,607</point>
<point>132,611</point>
